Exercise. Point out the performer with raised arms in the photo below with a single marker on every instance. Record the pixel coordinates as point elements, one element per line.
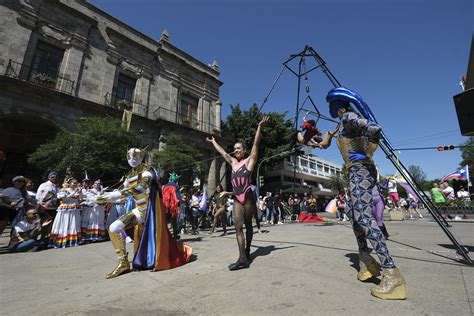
<point>245,205</point>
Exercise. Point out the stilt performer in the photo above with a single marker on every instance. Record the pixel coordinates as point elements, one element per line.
<point>245,205</point>
<point>357,141</point>
<point>154,247</point>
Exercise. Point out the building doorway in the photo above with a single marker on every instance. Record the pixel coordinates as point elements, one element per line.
<point>21,136</point>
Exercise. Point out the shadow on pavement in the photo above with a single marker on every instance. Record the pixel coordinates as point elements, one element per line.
<point>264,251</point>
<point>451,246</point>
<point>191,239</point>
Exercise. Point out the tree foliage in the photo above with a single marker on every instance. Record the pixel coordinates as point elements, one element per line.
<point>177,154</point>
<point>467,154</point>
<point>339,181</point>
<point>417,174</point>
<point>241,125</point>
<point>99,146</point>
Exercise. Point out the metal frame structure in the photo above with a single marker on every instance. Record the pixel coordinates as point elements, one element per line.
<point>384,144</point>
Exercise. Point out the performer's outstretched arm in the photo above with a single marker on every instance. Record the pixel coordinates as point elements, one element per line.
<point>220,150</point>
<point>256,143</point>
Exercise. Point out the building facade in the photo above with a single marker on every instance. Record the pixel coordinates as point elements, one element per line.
<point>64,60</point>
<point>300,174</point>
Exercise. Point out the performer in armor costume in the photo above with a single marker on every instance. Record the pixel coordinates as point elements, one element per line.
<point>154,247</point>
<point>245,205</point>
<point>357,141</point>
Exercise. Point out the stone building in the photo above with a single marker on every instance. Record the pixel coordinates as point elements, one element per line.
<point>64,60</point>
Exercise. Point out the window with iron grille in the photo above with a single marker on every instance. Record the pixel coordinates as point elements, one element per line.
<point>188,109</point>
<point>125,88</point>
<point>46,60</point>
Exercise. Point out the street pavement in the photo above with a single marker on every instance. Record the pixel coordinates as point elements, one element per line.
<point>297,269</point>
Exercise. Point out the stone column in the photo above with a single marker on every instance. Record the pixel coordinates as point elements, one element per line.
<point>141,96</point>
<point>222,175</point>
<point>211,178</point>
<point>218,114</point>
<point>72,62</point>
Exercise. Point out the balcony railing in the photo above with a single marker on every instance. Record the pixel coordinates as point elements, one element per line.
<point>179,118</point>
<point>116,101</point>
<point>26,73</point>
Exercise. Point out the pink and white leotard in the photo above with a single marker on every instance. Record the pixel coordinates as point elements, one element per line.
<point>241,180</point>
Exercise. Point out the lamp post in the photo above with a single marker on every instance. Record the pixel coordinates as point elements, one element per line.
<point>282,154</point>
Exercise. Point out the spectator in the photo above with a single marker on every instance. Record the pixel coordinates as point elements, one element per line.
<point>17,193</point>
<point>436,194</point>
<point>261,207</point>
<point>270,203</point>
<point>46,196</point>
<point>8,211</point>
<point>30,190</point>
<point>463,194</point>
<point>448,191</point>
<point>413,206</point>
<point>17,197</point>
<point>194,211</point>
<point>280,211</point>
<point>341,205</point>
<point>304,204</point>
<point>313,204</point>
<point>25,234</point>
<point>393,192</point>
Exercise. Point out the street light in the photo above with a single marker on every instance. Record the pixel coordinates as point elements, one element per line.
<point>284,153</point>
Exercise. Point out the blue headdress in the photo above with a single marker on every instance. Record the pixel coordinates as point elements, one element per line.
<point>340,97</point>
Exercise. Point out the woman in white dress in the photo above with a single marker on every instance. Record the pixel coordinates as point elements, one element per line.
<point>93,214</point>
<point>66,231</point>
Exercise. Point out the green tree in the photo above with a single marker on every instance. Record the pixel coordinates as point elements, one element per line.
<point>177,155</point>
<point>339,181</point>
<point>417,174</point>
<point>98,146</point>
<point>467,154</point>
<point>242,126</point>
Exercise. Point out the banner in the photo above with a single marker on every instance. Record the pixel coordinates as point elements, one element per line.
<point>126,119</point>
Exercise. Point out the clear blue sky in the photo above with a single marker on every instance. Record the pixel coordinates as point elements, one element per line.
<point>405,57</point>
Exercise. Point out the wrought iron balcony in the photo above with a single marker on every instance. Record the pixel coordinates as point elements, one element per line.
<point>116,100</point>
<point>26,73</point>
<point>185,120</point>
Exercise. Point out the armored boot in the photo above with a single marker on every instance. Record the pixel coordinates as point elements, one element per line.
<point>119,244</point>
<point>392,286</point>
<point>368,267</point>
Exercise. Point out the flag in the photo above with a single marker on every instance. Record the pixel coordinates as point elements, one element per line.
<point>460,174</point>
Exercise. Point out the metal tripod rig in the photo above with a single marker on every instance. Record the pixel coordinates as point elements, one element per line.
<point>384,144</point>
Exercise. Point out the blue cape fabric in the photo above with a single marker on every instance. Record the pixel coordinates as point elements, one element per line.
<point>145,256</point>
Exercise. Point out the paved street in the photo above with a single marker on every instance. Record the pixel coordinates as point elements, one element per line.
<point>297,269</point>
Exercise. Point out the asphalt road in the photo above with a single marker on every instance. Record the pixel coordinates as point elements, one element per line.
<point>297,269</point>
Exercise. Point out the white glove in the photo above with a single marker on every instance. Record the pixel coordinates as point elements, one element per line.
<point>112,196</point>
